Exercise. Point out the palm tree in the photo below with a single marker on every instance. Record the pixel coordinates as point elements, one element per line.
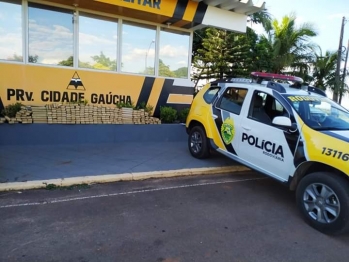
<point>291,44</point>
<point>263,17</point>
<point>324,68</point>
<point>344,89</point>
<point>324,72</point>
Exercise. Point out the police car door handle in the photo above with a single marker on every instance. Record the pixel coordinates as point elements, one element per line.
<point>246,128</point>
<point>214,116</point>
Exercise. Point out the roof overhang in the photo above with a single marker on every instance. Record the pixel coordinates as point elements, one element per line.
<point>190,14</point>
<point>228,14</point>
<point>245,7</point>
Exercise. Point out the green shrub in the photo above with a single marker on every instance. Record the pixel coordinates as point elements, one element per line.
<point>141,106</point>
<point>147,108</point>
<point>183,114</point>
<point>11,110</point>
<point>127,105</point>
<point>83,102</point>
<point>168,114</point>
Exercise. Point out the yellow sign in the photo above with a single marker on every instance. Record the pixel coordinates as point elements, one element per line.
<point>159,7</point>
<point>38,85</point>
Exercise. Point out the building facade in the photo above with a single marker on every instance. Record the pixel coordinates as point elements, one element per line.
<point>106,52</point>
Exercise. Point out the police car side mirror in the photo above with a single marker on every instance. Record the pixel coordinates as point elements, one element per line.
<point>282,121</point>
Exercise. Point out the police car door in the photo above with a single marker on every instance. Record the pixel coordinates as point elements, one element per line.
<point>226,113</point>
<point>267,148</point>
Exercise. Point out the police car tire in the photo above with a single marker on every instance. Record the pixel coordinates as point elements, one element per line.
<point>205,151</point>
<point>340,187</point>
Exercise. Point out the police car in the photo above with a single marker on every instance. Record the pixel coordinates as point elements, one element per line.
<point>277,125</point>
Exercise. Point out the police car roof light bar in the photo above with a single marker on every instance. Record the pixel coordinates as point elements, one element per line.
<point>232,80</point>
<point>270,76</point>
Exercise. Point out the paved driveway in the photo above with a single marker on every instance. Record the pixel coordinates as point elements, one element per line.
<point>240,217</point>
<point>29,163</point>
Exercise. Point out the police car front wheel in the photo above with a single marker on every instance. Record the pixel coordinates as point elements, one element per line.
<point>197,143</point>
<point>323,199</point>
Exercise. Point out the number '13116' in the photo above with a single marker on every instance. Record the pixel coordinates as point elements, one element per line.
<point>335,154</point>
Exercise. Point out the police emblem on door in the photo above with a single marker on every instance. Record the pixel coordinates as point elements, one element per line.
<point>228,131</point>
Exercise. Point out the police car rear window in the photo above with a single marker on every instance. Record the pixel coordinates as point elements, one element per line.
<point>211,94</point>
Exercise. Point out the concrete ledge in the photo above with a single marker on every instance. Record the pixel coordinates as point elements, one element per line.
<point>120,177</point>
<point>55,134</point>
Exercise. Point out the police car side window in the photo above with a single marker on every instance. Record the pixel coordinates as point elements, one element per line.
<point>232,99</point>
<point>265,107</point>
<point>211,94</point>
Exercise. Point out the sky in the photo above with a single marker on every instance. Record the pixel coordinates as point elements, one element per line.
<point>325,15</point>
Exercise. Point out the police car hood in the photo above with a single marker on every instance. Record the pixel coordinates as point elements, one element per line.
<point>339,134</point>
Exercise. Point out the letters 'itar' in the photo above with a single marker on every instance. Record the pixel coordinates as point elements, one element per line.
<point>149,3</point>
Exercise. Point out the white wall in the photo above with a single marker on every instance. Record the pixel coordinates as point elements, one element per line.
<point>224,19</point>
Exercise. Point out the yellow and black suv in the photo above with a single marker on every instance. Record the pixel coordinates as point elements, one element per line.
<point>280,127</point>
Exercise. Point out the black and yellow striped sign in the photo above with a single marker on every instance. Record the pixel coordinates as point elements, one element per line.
<point>35,87</point>
<point>180,13</point>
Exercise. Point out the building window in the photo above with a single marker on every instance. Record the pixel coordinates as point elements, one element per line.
<point>138,48</point>
<point>11,31</point>
<point>50,35</point>
<point>174,53</point>
<point>97,42</point>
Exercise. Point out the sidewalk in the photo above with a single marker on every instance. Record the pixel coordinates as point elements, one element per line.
<point>30,163</point>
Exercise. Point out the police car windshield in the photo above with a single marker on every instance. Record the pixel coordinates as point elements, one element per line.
<point>320,113</point>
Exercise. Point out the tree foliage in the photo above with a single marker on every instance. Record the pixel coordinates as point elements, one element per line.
<point>181,72</point>
<point>33,58</point>
<point>285,47</point>
<point>230,54</point>
<point>101,61</point>
<point>263,17</point>
<point>291,44</point>
<point>198,38</point>
<point>324,67</point>
<point>164,70</point>
<point>68,62</point>
<point>215,53</point>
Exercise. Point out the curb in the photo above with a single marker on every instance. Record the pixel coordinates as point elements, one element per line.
<point>99,179</point>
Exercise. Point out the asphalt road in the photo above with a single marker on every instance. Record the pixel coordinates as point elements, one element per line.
<point>240,217</point>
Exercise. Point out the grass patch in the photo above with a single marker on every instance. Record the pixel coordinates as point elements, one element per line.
<point>72,187</point>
